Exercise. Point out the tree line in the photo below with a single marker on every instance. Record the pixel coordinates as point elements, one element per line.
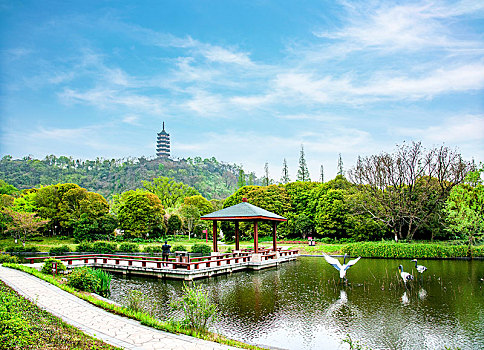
<point>213,179</point>
<point>412,193</point>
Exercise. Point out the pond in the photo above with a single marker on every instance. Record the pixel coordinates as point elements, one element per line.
<point>303,305</point>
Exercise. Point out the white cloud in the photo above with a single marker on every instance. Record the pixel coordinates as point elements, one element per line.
<point>220,54</point>
<point>112,98</point>
<point>457,129</point>
<point>403,27</point>
<point>131,119</point>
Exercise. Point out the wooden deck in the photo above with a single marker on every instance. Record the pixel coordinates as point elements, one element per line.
<point>180,267</point>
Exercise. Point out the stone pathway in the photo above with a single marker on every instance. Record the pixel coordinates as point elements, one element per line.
<point>113,329</point>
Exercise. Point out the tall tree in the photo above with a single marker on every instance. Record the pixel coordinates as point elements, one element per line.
<point>405,189</point>
<point>340,166</point>
<point>241,178</point>
<point>465,208</point>
<point>303,172</point>
<point>266,180</point>
<point>285,173</point>
<point>191,215</point>
<point>251,179</point>
<point>321,174</point>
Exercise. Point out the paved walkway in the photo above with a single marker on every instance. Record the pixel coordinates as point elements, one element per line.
<point>113,329</point>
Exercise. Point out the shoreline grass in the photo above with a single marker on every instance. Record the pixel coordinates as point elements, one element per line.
<point>143,317</point>
<point>27,326</point>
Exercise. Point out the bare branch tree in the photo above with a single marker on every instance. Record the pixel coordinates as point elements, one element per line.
<point>404,190</point>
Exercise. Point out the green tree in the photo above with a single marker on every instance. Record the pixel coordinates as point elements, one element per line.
<point>340,166</point>
<point>465,209</point>
<point>190,214</point>
<point>302,172</point>
<point>265,180</point>
<point>303,225</point>
<point>204,206</point>
<point>321,174</point>
<point>251,179</point>
<point>174,224</point>
<point>140,214</point>
<point>170,192</point>
<point>89,229</point>
<point>241,178</point>
<point>6,188</point>
<point>285,173</point>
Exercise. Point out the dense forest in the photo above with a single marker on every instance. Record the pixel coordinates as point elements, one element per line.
<point>213,179</point>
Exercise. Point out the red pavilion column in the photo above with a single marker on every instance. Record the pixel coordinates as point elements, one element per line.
<point>274,236</point>
<point>215,236</point>
<point>256,238</point>
<point>237,235</point>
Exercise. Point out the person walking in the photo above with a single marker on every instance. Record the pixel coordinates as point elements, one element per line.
<point>165,249</point>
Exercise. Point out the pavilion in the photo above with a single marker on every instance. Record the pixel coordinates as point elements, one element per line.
<point>244,212</point>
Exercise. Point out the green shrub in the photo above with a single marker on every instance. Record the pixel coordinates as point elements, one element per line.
<point>83,278</point>
<point>5,258</point>
<point>104,247</point>
<point>153,249</point>
<point>127,247</point>
<point>84,247</point>
<point>204,249</point>
<point>20,249</point>
<point>179,248</point>
<point>60,250</point>
<point>47,267</point>
<point>198,312</point>
<point>410,250</point>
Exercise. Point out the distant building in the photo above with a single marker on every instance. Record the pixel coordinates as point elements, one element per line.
<point>163,144</point>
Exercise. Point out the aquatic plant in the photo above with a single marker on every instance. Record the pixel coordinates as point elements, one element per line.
<point>197,310</point>
<point>104,282</point>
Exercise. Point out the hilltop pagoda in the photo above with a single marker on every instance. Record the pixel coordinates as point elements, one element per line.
<point>163,144</point>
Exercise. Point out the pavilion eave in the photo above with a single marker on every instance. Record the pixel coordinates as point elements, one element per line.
<point>242,218</point>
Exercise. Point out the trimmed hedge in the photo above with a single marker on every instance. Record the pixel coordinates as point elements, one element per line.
<point>178,248</point>
<point>153,249</point>
<point>21,249</point>
<point>84,247</point>
<point>410,250</point>
<point>203,249</point>
<point>104,247</point>
<point>127,247</point>
<point>59,250</point>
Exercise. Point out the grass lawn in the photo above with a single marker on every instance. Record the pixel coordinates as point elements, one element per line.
<point>44,244</point>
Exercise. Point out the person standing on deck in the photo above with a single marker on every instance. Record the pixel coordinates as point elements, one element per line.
<point>165,248</point>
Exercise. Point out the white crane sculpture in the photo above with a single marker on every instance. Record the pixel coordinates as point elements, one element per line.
<point>405,275</point>
<point>337,265</point>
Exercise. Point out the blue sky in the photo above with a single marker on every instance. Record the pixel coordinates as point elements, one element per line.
<point>247,82</point>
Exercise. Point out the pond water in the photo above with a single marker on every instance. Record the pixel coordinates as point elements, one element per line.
<point>303,305</point>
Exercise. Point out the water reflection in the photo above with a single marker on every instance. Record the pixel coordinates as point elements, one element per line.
<point>303,305</point>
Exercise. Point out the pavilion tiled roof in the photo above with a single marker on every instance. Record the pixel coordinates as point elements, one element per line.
<point>243,211</point>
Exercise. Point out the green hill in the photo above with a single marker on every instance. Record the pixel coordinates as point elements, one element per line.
<point>213,179</point>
